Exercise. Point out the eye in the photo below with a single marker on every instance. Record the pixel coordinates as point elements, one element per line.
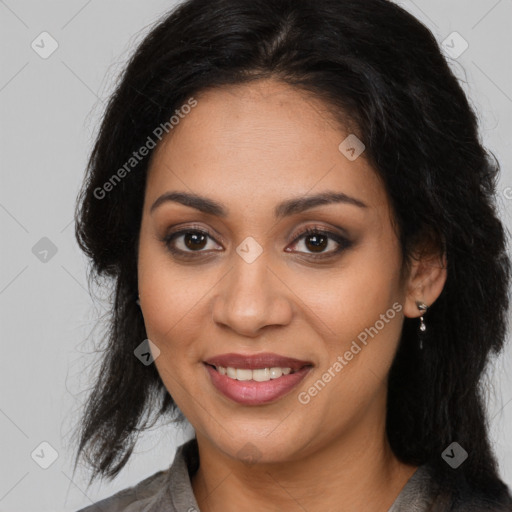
<point>314,240</point>
<point>317,240</point>
<point>187,241</point>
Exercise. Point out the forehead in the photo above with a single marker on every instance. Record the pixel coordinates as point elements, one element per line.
<point>254,144</point>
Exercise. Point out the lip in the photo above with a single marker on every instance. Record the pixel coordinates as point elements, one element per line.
<point>255,361</point>
<point>251,392</point>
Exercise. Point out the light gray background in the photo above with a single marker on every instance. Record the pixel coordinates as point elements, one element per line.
<point>49,113</point>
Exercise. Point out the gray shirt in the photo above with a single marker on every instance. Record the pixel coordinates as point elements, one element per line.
<point>171,490</point>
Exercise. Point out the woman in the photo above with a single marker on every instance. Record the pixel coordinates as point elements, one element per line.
<point>293,203</point>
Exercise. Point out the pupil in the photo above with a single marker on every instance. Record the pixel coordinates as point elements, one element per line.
<point>191,240</point>
<point>317,245</point>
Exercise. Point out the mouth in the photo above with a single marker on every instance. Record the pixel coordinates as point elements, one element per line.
<point>257,379</point>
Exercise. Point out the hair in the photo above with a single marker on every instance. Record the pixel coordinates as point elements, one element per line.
<point>377,67</point>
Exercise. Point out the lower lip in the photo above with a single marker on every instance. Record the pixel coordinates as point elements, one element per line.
<point>251,392</point>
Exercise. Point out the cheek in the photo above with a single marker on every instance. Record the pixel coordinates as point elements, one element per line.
<point>361,304</point>
<point>168,291</point>
<point>170,297</point>
<point>352,297</point>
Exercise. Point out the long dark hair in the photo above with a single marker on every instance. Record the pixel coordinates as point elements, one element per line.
<point>382,71</point>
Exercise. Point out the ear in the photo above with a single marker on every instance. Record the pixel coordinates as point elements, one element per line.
<point>426,277</point>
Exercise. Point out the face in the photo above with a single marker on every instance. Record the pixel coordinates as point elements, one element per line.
<point>230,282</point>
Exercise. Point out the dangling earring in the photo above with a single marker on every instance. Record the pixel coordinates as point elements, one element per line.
<point>423,308</point>
<point>138,301</point>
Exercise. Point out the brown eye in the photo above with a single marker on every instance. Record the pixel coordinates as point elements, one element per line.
<point>195,240</point>
<point>188,241</point>
<point>316,242</point>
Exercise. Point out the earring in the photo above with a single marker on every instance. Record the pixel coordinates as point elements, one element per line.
<point>138,301</point>
<point>423,308</point>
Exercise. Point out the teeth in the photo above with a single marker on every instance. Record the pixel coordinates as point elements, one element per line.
<point>243,374</point>
<point>259,375</point>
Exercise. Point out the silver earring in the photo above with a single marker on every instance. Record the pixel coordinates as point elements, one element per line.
<point>423,308</point>
<point>138,301</point>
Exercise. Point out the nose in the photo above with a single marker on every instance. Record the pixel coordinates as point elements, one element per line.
<point>250,297</point>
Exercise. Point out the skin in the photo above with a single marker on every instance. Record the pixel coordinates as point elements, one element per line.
<point>249,147</point>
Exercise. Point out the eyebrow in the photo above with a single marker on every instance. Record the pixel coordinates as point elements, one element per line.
<point>289,207</point>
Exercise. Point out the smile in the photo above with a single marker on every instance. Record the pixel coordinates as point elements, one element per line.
<point>256,379</point>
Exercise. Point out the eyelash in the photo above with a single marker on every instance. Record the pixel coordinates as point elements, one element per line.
<point>340,240</point>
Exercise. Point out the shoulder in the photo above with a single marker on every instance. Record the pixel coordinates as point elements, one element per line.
<point>132,498</point>
<point>478,504</point>
<point>467,500</point>
<point>460,496</point>
<point>431,491</point>
<point>168,490</point>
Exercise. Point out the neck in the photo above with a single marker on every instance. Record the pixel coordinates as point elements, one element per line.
<point>354,472</point>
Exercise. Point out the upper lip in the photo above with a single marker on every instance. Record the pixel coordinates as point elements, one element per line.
<point>255,361</point>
